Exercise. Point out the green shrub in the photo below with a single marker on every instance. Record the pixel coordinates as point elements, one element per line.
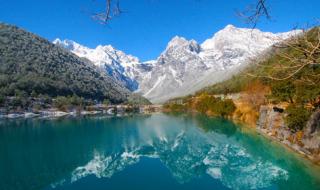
<point>297,117</point>
<point>2,99</point>
<point>223,107</point>
<point>307,93</point>
<point>205,103</point>
<point>106,102</point>
<point>216,105</point>
<point>174,107</point>
<point>75,100</point>
<point>61,102</point>
<point>33,94</point>
<point>69,102</point>
<point>19,102</point>
<point>283,91</point>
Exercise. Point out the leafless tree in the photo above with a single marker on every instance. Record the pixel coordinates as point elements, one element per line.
<point>112,10</point>
<point>294,56</point>
<point>254,12</point>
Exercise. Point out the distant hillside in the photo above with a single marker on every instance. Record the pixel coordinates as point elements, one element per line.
<point>29,63</point>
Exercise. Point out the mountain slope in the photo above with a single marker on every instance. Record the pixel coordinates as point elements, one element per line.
<point>186,66</point>
<point>126,69</point>
<point>30,63</point>
<point>278,63</point>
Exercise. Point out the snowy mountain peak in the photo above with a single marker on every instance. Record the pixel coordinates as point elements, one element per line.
<point>184,66</point>
<point>67,44</point>
<point>124,68</point>
<point>181,44</point>
<point>232,37</point>
<point>105,48</point>
<point>229,27</point>
<point>100,53</point>
<point>177,41</point>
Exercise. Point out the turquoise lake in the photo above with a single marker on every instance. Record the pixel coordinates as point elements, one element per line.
<point>150,152</point>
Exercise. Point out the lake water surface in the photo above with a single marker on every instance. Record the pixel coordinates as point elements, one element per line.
<point>145,152</point>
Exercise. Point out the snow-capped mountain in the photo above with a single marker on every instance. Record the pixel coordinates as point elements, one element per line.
<point>185,66</point>
<point>124,68</point>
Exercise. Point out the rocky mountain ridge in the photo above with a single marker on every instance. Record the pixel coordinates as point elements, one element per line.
<point>185,66</point>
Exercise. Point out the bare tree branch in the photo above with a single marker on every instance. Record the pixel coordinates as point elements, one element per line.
<point>112,9</point>
<point>294,55</point>
<point>253,13</point>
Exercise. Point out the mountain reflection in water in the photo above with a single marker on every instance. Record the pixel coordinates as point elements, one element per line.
<point>63,152</point>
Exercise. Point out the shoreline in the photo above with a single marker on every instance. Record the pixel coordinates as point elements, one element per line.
<point>60,114</point>
<point>117,110</point>
<point>290,147</point>
<point>46,114</point>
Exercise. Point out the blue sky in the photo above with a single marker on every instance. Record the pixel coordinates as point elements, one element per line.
<point>147,26</point>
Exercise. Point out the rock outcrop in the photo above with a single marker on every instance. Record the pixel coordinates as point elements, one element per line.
<point>311,138</point>
<point>307,142</point>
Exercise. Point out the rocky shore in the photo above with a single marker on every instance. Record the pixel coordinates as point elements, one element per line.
<point>306,142</point>
<point>109,110</point>
<point>269,120</point>
<point>47,113</point>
